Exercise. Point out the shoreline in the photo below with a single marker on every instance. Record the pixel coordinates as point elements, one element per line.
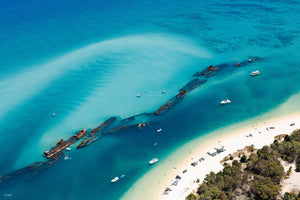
<point>232,143</point>
<point>234,137</point>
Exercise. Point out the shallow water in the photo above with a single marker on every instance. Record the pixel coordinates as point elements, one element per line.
<point>87,62</point>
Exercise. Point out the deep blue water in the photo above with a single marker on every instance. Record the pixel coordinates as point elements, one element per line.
<point>87,60</point>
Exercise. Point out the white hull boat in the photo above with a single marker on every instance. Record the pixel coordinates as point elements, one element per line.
<point>254,73</point>
<point>227,101</point>
<point>115,179</point>
<point>154,160</point>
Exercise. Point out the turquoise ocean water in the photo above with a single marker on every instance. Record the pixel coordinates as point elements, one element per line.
<point>87,60</point>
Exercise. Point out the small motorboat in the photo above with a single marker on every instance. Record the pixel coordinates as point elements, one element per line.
<point>164,91</point>
<point>53,114</point>
<point>115,179</point>
<point>227,101</point>
<point>254,73</point>
<point>154,160</point>
<point>159,130</point>
<point>122,176</point>
<point>68,149</point>
<point>138,95</point>
<point>67,157</point>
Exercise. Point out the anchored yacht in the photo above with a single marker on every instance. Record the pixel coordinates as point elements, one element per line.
<point>227,101</point>
<point>254,73</point>
<point>154,160</point>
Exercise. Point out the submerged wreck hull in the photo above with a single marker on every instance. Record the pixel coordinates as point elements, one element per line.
<point>95,133</point>
<point>31,170</point>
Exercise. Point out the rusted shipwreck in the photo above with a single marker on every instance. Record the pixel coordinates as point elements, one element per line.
<point>103,130</point>
<point>94,134</point>
<point>171,102</point>
<point>61,144</point>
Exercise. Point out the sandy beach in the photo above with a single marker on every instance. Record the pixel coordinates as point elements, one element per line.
<point>261,135</point>
<point>256,132</point>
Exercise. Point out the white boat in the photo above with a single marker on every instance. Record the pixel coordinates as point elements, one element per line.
<point>154,160</point>
<point>159,130</point>
<point>138,95</point>
<point>164,91</point>
<point>254,73</point>
<point>114,179</point>
<point>53,114</point>
<point>67,157</point>
<point>227,101</point>
<point>68,149</point>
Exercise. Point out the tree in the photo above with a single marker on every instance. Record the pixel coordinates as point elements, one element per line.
<point>265,189</point>
<point>243,159</point>
<point>235,163</point>
<point>287,138</point>
<point>223,196</point>
<point>227,170</point>
<point>191,197</point>
<point>287,196</point>
<point>275,171</point>
<point>298,164</point>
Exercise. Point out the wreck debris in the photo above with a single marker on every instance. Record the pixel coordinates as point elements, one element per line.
<point>61,144</point>
<point>171,102</point>
<point>94,134</point>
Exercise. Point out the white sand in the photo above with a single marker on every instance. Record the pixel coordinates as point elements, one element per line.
<point>292,184</point>
<point>233,138</point>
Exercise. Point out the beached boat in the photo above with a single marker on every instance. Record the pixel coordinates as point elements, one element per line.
<point>154,160</point>
<point>254,73</point>
<point>227,101</point>
<point>114,179</point>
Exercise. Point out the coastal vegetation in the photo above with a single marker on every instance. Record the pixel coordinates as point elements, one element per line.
<point>255,175</point>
